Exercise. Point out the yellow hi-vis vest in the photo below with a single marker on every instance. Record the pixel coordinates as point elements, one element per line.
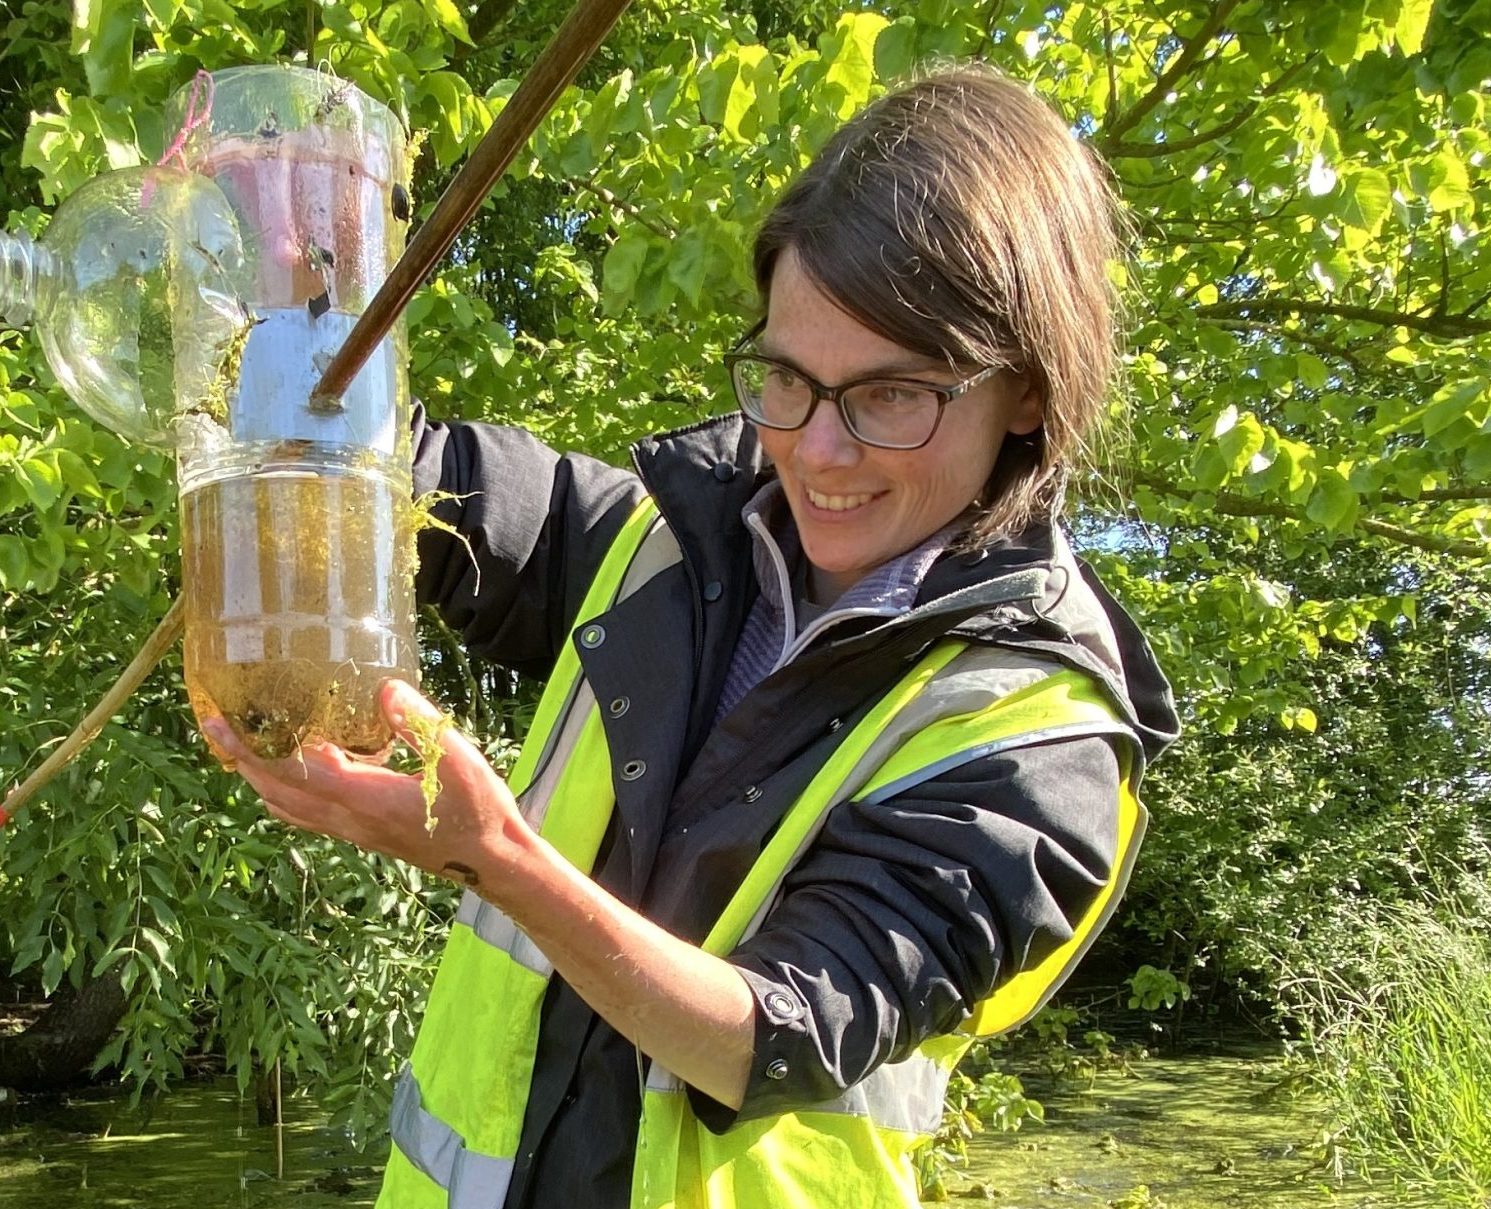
<point>458,1111</point>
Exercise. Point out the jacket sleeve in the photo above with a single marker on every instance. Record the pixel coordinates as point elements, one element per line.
<point>537,525</point>
<point>905,914</point>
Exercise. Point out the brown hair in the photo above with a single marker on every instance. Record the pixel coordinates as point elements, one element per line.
<point>961,218</point>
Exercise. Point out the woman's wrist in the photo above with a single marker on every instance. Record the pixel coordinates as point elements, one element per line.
<point>512,867</point>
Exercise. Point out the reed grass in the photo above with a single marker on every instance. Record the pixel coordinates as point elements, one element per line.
<point>1397,1026</point>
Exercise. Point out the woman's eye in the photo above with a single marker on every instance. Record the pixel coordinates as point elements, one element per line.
<point>779,378</point>
<point>894,395</point>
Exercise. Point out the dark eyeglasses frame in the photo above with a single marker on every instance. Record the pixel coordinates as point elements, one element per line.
<point>835,394</point>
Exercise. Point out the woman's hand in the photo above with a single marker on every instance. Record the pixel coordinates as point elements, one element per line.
<point>691,1011</point>
<point>478,828</point>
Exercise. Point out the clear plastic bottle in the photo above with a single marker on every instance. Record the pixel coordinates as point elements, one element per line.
<point>132,293</point>
<point>297,546</point>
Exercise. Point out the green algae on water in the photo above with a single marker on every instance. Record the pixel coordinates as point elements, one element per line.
<point>1196,1132</point>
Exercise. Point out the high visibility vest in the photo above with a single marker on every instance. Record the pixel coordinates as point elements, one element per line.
<point>458,1110</point>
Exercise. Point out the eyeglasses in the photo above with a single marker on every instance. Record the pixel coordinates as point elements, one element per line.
<point>888,413</point>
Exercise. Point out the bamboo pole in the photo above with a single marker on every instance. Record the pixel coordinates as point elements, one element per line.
<point>109,704</point>
<point>556,67</point>
<point>574,42</point>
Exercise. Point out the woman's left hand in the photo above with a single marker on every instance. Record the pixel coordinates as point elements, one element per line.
<point>690,1010</point>
<point>322,789</point>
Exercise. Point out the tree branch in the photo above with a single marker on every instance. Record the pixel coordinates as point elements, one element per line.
<point>1127,150</point>
<point>483,21</point>
<point>457,652</point>
<point>1425,541</point>
<point>1309,340</point>
<point>1181,65</point>
<point>1231,504</point>
<point>1447,327</point>
<point>1434,495</point>
<point>626,207</point>
<point>109,704</point>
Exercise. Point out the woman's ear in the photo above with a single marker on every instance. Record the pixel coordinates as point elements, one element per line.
<point>1027,405</point>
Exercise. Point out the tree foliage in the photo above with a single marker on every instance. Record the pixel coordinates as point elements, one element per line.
<point>1294,497</point>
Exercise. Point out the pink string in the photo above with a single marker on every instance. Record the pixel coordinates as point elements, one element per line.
<point>194,118</point>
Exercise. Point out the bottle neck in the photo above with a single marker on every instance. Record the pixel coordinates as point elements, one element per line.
<point>26,273</point>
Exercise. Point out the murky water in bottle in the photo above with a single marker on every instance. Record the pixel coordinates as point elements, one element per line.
<point>291,622</point>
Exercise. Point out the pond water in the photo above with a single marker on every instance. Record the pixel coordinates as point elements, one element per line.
<point>1198,1132</point>
<point>1175,1133</point>
<point>198,1148</point>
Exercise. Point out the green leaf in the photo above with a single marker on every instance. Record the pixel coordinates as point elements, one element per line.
<point>1299,717</point>
<point>752,96</point>
<point>716,79</point>
<point>1412,21</point>
<point>687,265</point>
<point>41,480</point>
<point>51,971</point>
<point>104,35</point>
<point>895,50</point>
<point>850,54</point>
<point>1209,468</point>
<point>607,106</point>
<point>1346,40</point>
<point>163,12</point>
<point>1240,443</point>
<point>621,269</point>
<point>1454,402</point>
<point>1313,372</point>
<point>1451,189</point>
<point>1271,595</point>
<point>449,92</point>
<point>1333,503</point>
<point>448,17</point>
<point>1367,196</point>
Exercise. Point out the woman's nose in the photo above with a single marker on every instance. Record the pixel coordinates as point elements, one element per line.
<point>824,440</point>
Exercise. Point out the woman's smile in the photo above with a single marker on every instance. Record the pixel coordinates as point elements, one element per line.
<point>825,502</point>
<point>857,506</point>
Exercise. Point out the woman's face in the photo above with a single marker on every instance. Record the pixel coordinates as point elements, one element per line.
<point>856,506</point>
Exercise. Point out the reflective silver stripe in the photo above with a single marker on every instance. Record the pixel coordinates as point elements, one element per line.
<point>471,1180</point>
<point>905,1096</point>
<point>551,743</point>
<point>661,1080</point>
<point>479,1181</point>
<point>495,927</point>
<point>1029,738</point>
<point>536,798</point>
<point>470,909</point>
<point>657,551</point>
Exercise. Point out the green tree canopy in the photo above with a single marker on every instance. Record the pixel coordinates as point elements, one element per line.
<point>1294,496</point>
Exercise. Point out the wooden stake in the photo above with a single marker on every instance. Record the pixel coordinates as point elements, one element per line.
<point>110,704</point>
<point>572,44</point>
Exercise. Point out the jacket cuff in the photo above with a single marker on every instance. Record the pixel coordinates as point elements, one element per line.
<point>784,1052</point>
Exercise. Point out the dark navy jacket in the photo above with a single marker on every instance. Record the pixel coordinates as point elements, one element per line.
<point>900,916</point>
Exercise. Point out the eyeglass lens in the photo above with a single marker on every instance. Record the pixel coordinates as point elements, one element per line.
<point>894,414</point>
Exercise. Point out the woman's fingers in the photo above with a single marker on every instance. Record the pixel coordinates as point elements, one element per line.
<point>322,789</point>
<point>462,769</point>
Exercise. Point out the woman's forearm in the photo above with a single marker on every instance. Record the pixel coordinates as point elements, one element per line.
<point>686,1009</point>
<point>690,1011</point>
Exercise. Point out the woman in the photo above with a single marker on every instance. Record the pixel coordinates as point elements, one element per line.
<point>836,761</point>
